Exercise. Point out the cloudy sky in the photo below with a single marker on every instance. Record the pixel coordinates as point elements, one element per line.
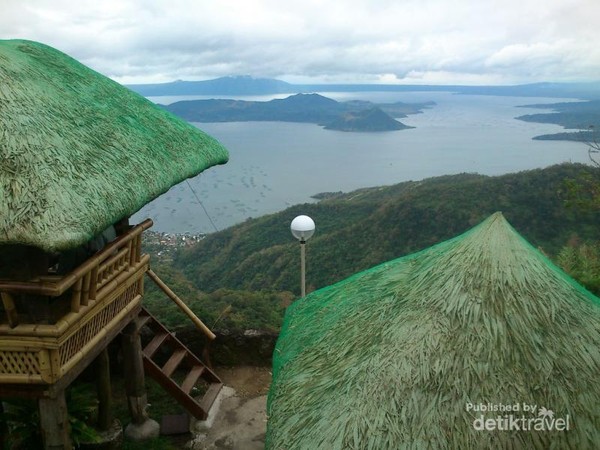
<point>393,41</point>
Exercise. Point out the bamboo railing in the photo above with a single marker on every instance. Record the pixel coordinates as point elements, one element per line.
<point>102,293</point>
<point>57,285</point>
<point>186,310</point>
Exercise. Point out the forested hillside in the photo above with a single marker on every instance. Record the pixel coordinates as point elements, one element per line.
<point>363,228</point>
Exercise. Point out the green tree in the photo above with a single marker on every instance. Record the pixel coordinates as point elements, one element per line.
<point>584,191</point>
<point>581,260</point>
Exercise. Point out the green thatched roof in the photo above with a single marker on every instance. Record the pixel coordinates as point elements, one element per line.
<point>390,358</point>
<point>79,151</point>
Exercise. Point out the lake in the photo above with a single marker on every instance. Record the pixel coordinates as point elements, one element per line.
<point>274,165</point>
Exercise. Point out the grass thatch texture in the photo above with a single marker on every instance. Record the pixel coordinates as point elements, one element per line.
<point>389,358</point>
<point>79,151</point>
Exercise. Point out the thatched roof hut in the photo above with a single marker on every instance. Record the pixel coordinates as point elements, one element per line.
<point>392,358</point>
<point>79,151</point>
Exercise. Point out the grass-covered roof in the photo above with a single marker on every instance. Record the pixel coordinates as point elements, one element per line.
<point>79,151</point>
<point>391,357</point>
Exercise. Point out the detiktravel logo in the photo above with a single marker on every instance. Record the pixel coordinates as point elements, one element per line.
<point>516,417</point>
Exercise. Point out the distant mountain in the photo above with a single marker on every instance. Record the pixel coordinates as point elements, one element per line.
<point>307,108</point>
<point>247,85</point>
<point>556,90</point>
<point>238,85</point>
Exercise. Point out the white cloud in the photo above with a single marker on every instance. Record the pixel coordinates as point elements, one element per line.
<point>363,40</point>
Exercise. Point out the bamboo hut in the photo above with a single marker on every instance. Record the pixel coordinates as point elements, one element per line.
<point>79,153</point>
<point>477,342</point>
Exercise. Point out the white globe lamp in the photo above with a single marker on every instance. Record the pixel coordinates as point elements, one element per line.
<point>303,227</point>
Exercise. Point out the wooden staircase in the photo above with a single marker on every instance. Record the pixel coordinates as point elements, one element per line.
<point>180,356</point>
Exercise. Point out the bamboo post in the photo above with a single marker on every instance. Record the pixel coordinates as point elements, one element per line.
<point>181,305</point>
<point>104,391</point>
<point>85,293</point>
<point>134,251</point>
<point>142,427</point>
<point>138,247</point>
<point>54,357</point>
<point>141,286</point>
<point>130,253</point>
<point>3,428</point>
<point>11,310</point>
<point>134,370</point>
<point>45,366</point>
<point>94,282</point>
<point>54,422</point>
<point>76,296</point>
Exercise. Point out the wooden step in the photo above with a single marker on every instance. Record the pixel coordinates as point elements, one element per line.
<point>174,361</point>
<point>143,320</point>
<point>155,344</point>
<point>210,396</point>
<point>173,389</point>
<point>191,378</point>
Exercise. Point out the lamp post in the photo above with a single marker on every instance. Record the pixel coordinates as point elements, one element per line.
<point>303,227</point>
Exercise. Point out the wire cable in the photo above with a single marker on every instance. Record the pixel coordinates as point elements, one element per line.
<point>201,204</point>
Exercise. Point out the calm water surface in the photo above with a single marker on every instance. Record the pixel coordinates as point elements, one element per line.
<point>275,164</point>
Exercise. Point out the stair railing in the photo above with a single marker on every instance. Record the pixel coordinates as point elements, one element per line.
<point>199,324</point>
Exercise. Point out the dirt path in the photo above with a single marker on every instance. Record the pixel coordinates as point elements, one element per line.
<point>248,381</point>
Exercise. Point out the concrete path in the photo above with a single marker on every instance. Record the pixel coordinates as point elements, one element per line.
<point>240,424</point>
<point>240,419</point>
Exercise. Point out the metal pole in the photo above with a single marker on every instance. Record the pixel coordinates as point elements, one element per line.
<point>302,268</point>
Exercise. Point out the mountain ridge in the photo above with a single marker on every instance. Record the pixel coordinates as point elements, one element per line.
<point>248,85</point>
<point>231,85</point>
